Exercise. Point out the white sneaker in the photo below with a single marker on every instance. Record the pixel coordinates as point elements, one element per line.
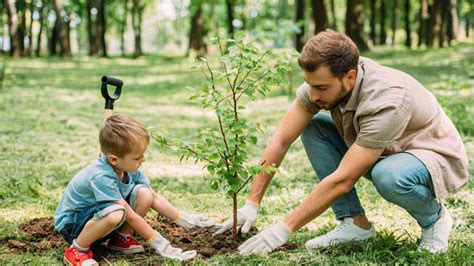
<point>435,238</point>
<point>346,231</point>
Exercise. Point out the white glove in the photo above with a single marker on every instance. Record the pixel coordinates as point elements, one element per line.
<point>266,241</point>
<point>246,216</point>
<point>163,247</point>
<point>191,221</point>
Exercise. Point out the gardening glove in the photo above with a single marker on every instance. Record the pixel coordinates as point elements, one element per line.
<point>266,241</point>
<point>191,221</point>
<point>163,247</point>
<point>246,216</point>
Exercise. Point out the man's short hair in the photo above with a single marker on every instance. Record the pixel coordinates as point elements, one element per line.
<point>332,49</point>
<point>120,134</point>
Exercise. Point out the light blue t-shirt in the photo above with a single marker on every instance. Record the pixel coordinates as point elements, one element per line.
<point>93,185</point>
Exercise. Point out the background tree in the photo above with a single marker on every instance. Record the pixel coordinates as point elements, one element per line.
<point>434,38</point>
<point>423,23</point>
<point>373,21</point>
<point>62,30</point>
<point>395,19</point>
<point>137,18</point>
<point>319,15</point>
<point>383,17</point>
<point>41,15</point>
<point>407,23</point>
<point>230,17</point>
<point>197,29</point>
<point>13,29</point>
<point>101,28</point>
<point>299,20</point>
<point>355,23</point>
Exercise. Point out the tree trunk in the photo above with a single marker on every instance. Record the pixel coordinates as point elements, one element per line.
<point>196,33</point>
<point>123,27</point>
<point>22,26</point>
<point>319,15</point>
<point>230,17</point>
<point>423,18</point>
<point>137,13</point>
<point>29,50</point>
<point>383,15</point>
<point>333,13</point>
<point>355,23</point>
<point>299,19</point>
<point>13,28</point>
<point>452,21</point>
<point>63,36</point>
<point>407,23</point>
<point>91,36</point>
<point>436,23</point>
<point>100,28</point>
<point>41,24</point>
<point>373,21</point>
<point>395,20</point>
<point>234,224</point>
<point>54,39</point>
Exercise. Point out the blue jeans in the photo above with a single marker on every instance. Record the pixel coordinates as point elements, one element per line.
<point>399,178</point>
<point>72,230</point>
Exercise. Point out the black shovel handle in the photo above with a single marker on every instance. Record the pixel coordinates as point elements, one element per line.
<point>109,100</point>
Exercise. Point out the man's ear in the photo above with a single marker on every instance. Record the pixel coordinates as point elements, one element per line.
<point>112,159</point>
<point>351,78</point>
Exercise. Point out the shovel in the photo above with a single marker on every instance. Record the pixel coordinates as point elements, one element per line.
<point>109,100</point>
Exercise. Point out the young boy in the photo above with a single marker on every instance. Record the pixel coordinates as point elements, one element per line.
<point>109,198</point>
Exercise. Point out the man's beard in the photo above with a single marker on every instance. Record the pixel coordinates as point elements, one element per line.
<point>341,97</point>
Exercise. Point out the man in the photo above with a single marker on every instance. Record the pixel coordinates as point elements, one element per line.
<point>384,125</point>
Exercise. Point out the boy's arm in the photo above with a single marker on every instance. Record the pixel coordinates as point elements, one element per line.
<point>186,220</point>
<point>164,207</point>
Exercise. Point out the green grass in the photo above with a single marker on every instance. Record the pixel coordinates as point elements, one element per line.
<point>51,111</point>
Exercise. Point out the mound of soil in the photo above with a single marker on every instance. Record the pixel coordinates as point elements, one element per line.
<point>41,236</point>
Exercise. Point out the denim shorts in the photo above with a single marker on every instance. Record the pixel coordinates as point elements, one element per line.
<point>79,219</point>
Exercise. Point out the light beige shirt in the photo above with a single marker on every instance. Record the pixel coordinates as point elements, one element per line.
<point>390,110</point>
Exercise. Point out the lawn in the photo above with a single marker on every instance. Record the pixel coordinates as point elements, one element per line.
<point>51,111</point>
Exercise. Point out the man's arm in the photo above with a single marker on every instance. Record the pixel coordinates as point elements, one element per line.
<point>291,126</point>
<point>354,164</point>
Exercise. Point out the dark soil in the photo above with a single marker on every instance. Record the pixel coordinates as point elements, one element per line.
<point>41,237</point>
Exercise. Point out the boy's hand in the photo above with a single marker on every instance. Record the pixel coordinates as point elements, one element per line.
<point>191,221</point>
<point>163,247</point>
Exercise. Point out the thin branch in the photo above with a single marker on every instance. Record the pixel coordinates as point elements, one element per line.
<point>188,149</point>
<point>248,179</point>
<point>225,67</point>
<point>253,83</point>
<point>260,59</point>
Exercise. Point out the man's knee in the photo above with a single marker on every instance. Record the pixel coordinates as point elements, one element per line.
<point>390,182</point>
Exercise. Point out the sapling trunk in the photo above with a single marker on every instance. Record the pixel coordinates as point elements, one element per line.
<point>234,224</point>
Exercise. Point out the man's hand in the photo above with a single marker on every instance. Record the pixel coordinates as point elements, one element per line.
<point>190,221</point>
<point>163,247</point>
<point>266,241</point>
<point>246,216</point>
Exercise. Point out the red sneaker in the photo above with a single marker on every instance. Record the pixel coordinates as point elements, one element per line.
<point>126,245</point>
<point>74,257</point>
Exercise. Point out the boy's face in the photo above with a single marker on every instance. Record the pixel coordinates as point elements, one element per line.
<point>132,160</point>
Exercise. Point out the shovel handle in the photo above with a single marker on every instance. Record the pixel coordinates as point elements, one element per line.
<point>109,100</point>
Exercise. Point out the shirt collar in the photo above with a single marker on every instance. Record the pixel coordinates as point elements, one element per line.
<point>351,104</point>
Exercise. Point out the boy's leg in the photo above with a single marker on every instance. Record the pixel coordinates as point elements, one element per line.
<point>140,200</point>
<point>405,181</point>
<point>101,224</point>
<point>89,228</point>
<point>325,149</point>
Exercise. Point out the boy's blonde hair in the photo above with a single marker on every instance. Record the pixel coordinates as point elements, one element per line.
<point>120,134</point>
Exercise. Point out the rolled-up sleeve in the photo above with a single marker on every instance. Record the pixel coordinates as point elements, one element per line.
<point>383,128</point>
<point>302,95</point>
